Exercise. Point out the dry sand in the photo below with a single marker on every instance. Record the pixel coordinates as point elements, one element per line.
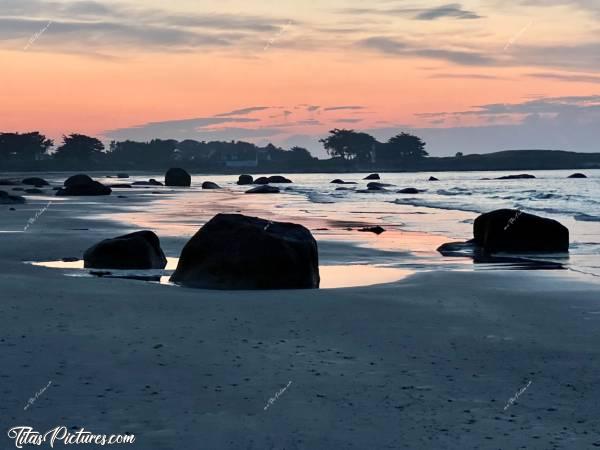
<point>425,363</point>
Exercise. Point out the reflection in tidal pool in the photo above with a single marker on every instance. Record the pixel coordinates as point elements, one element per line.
<point>339,276</point>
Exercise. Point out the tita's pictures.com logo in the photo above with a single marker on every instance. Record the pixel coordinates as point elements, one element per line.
<point>23,435</point>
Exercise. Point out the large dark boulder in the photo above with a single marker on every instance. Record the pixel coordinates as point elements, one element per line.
<point>261,180</point>
<point>278,179</point>
<point>373,176</point>
<point>210,185</point>
<point>83,185</point>
<point>233,251</point>
<point>177,177</point>
<point>35,181</point>
<point>510,230</point>
<point>6,199</point>
<point>245,179</point>
<point>139,250</point>
<point>523,176</point>
<point>577,175</point>
<point>264,189</point>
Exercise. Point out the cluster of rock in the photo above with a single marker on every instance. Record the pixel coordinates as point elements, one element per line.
<point>231,251</point>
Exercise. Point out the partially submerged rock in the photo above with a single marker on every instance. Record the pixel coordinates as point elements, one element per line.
<point>409,191</point>
<point>373,176</point>
<point>34,191</point>
<point>376,229</point>
<point>376,185</point>
<point>83,185</point>
<point>338,181</point>
<point>577,175</point>
<point>245,179</point>
<point>150,182</point>
<point>261,180</point>
<point>522,176</point>
<point>176,176</point>
<point>139,250</point>
<point>235,252</point>
<point>510,230</point>
<point>7,199</point>
<point>433,179</point>
<point>278,179</point>
<point>264,189</point>
<point>35,181</point>
<point>8,182</point>
<point>210,185</point>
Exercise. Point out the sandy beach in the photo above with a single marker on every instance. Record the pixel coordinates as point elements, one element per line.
<point>428,362</point>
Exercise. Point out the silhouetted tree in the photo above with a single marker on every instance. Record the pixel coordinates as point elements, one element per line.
<point>80,148</point>
<point>349,144</point>
<point>403,146</point>
<point>26,146</point>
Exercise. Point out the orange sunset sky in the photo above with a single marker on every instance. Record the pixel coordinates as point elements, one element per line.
<point>475,76</point>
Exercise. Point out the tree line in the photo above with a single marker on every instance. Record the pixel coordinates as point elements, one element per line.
<point>344,146</point>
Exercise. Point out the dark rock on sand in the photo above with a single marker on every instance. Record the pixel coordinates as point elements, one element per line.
<point>122,175</point>
<point>577,175</point>
<point>511,230</point>
<point>177,177</point>
<point>377,229</point>
<point>245,179</point>
<point>522,176</point>
<point>6,199</point>
<point>278,179</point>
<point>433,179</point>
<point>150,182</point>
<point>261,180</point>
<point>233,251</point>
<point>409,191</point>
<point>139,250</point>
<point>210,185</point>
<point>265,189</point>
<point>373,176</point>
<point>83,185</point>
<point>35,181</point>
<point>34,191</point>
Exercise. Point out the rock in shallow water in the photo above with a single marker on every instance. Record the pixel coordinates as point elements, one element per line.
<point>139,250</point>
<point>511,230</point>
<point>577,175</point>
<point>83,185</point>
<point>373,176</point>
<point>210,185</point>
<point>264,189</point>
<point>6,199</point>
<point>177,177</point>
<point>236,252</point>
<point>35,181</point>
<point>245,179</point>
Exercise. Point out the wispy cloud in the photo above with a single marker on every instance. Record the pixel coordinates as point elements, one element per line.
<point>243,111</point>
<point>344,108</point>
<point>574,78</point>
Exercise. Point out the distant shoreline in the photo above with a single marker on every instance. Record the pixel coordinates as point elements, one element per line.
<point>510,160</point>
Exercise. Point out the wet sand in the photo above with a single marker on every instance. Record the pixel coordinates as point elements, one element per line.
<point>429,362</point>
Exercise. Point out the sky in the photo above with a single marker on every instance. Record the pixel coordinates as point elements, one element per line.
<point>474,76</point>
